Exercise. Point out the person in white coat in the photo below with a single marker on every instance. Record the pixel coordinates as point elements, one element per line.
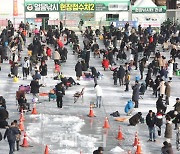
<point>170,69</point>
<point>25,67</point>
<point>162,88</point>
<point>56,56</point>
<point>99,94</point>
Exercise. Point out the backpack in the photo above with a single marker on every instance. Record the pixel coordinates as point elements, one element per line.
<point>0,136</point>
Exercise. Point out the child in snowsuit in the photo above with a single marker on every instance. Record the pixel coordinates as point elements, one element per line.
<point>129,107</point>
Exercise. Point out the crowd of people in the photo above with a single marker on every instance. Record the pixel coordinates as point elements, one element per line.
<point>131,48</point>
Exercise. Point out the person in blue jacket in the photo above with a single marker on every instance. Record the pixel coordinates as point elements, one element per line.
<point>129,107</point>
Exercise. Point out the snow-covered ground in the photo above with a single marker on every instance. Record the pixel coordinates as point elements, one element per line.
<point>69,130</point>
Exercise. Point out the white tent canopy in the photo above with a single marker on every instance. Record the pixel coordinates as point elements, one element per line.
<point>144,3</point>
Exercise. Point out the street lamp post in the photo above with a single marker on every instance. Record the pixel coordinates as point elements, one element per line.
<point>130,12</point>
<point>24,11</point>
<point>65,15</point>
<point>59,14</point>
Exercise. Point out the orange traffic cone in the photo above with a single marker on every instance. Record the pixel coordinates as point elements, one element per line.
<point>25,142</point>
<point>138,150</point>
<point>91,113</point>
<point>120,135</point>
<point>136,140</point>
<point>106,123</point>
<point>22,116</point>
<point>34,111</point>
<point>21,125</point>
<point>46,150</point>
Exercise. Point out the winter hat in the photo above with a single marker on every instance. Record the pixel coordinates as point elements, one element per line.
<point>139,113</point>
<point>165,143</point>
<point>159,115</point>
<point>100,149</point>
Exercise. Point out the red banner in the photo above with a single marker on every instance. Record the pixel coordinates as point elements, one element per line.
<point>15,8</point>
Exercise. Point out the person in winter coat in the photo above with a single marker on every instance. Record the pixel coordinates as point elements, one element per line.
<point>168,130</point>
<point>160,61</point>
<point>167,91</point>
<point>43,70</point>
<point>11,133</point>
<point>149,76</point>
<point>161,87</point>
<point>14,70</point>
<point>151,121</point>
<point>26,65</point>
<point>141,68</point>
<point>135,119</point>
<point>121,73</point>
<point>99,94</point>
<point>129,107</point>
<point>156,85</point>
<point>167,148</point>
<point>176,119</point>
<point>18,136</point>
<point>60,92</point>
<point>163,72</point>
<point>2,102</point>
<point>87,56</point>
<point>84,65</point>
<point>177,105</point>
<point>61,26</point>
<point>135,95</point>
<point>22,102</point>
<point>78,69</point>
<point>36,75</point>
<point>3,116</point>
<point>56,56</point>
<point>48,52</point>
<point>142,89</point>
<point>127,80</point>
<point>94,74</point>
<point>115,76</point>
<point>170,69</point>
<point>110,57</point>
<point>160,105</point>
<point>105,63</point>
<point>159,121</point>
<point>118,35</point>
<point>60,43</point>
<point>64,54</point>
<point>14,58</point>
<point>99,151</point>
<point>35,87</point>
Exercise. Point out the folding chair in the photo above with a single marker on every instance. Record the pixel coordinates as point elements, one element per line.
<point>77,95</point>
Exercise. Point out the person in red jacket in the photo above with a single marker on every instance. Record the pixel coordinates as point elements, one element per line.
<point>105,63</point>
<point>60,43</point>
<point>48,52</point>
<point>151,39</point>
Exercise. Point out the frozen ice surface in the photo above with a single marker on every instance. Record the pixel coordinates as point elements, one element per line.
<point>69,130</point>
